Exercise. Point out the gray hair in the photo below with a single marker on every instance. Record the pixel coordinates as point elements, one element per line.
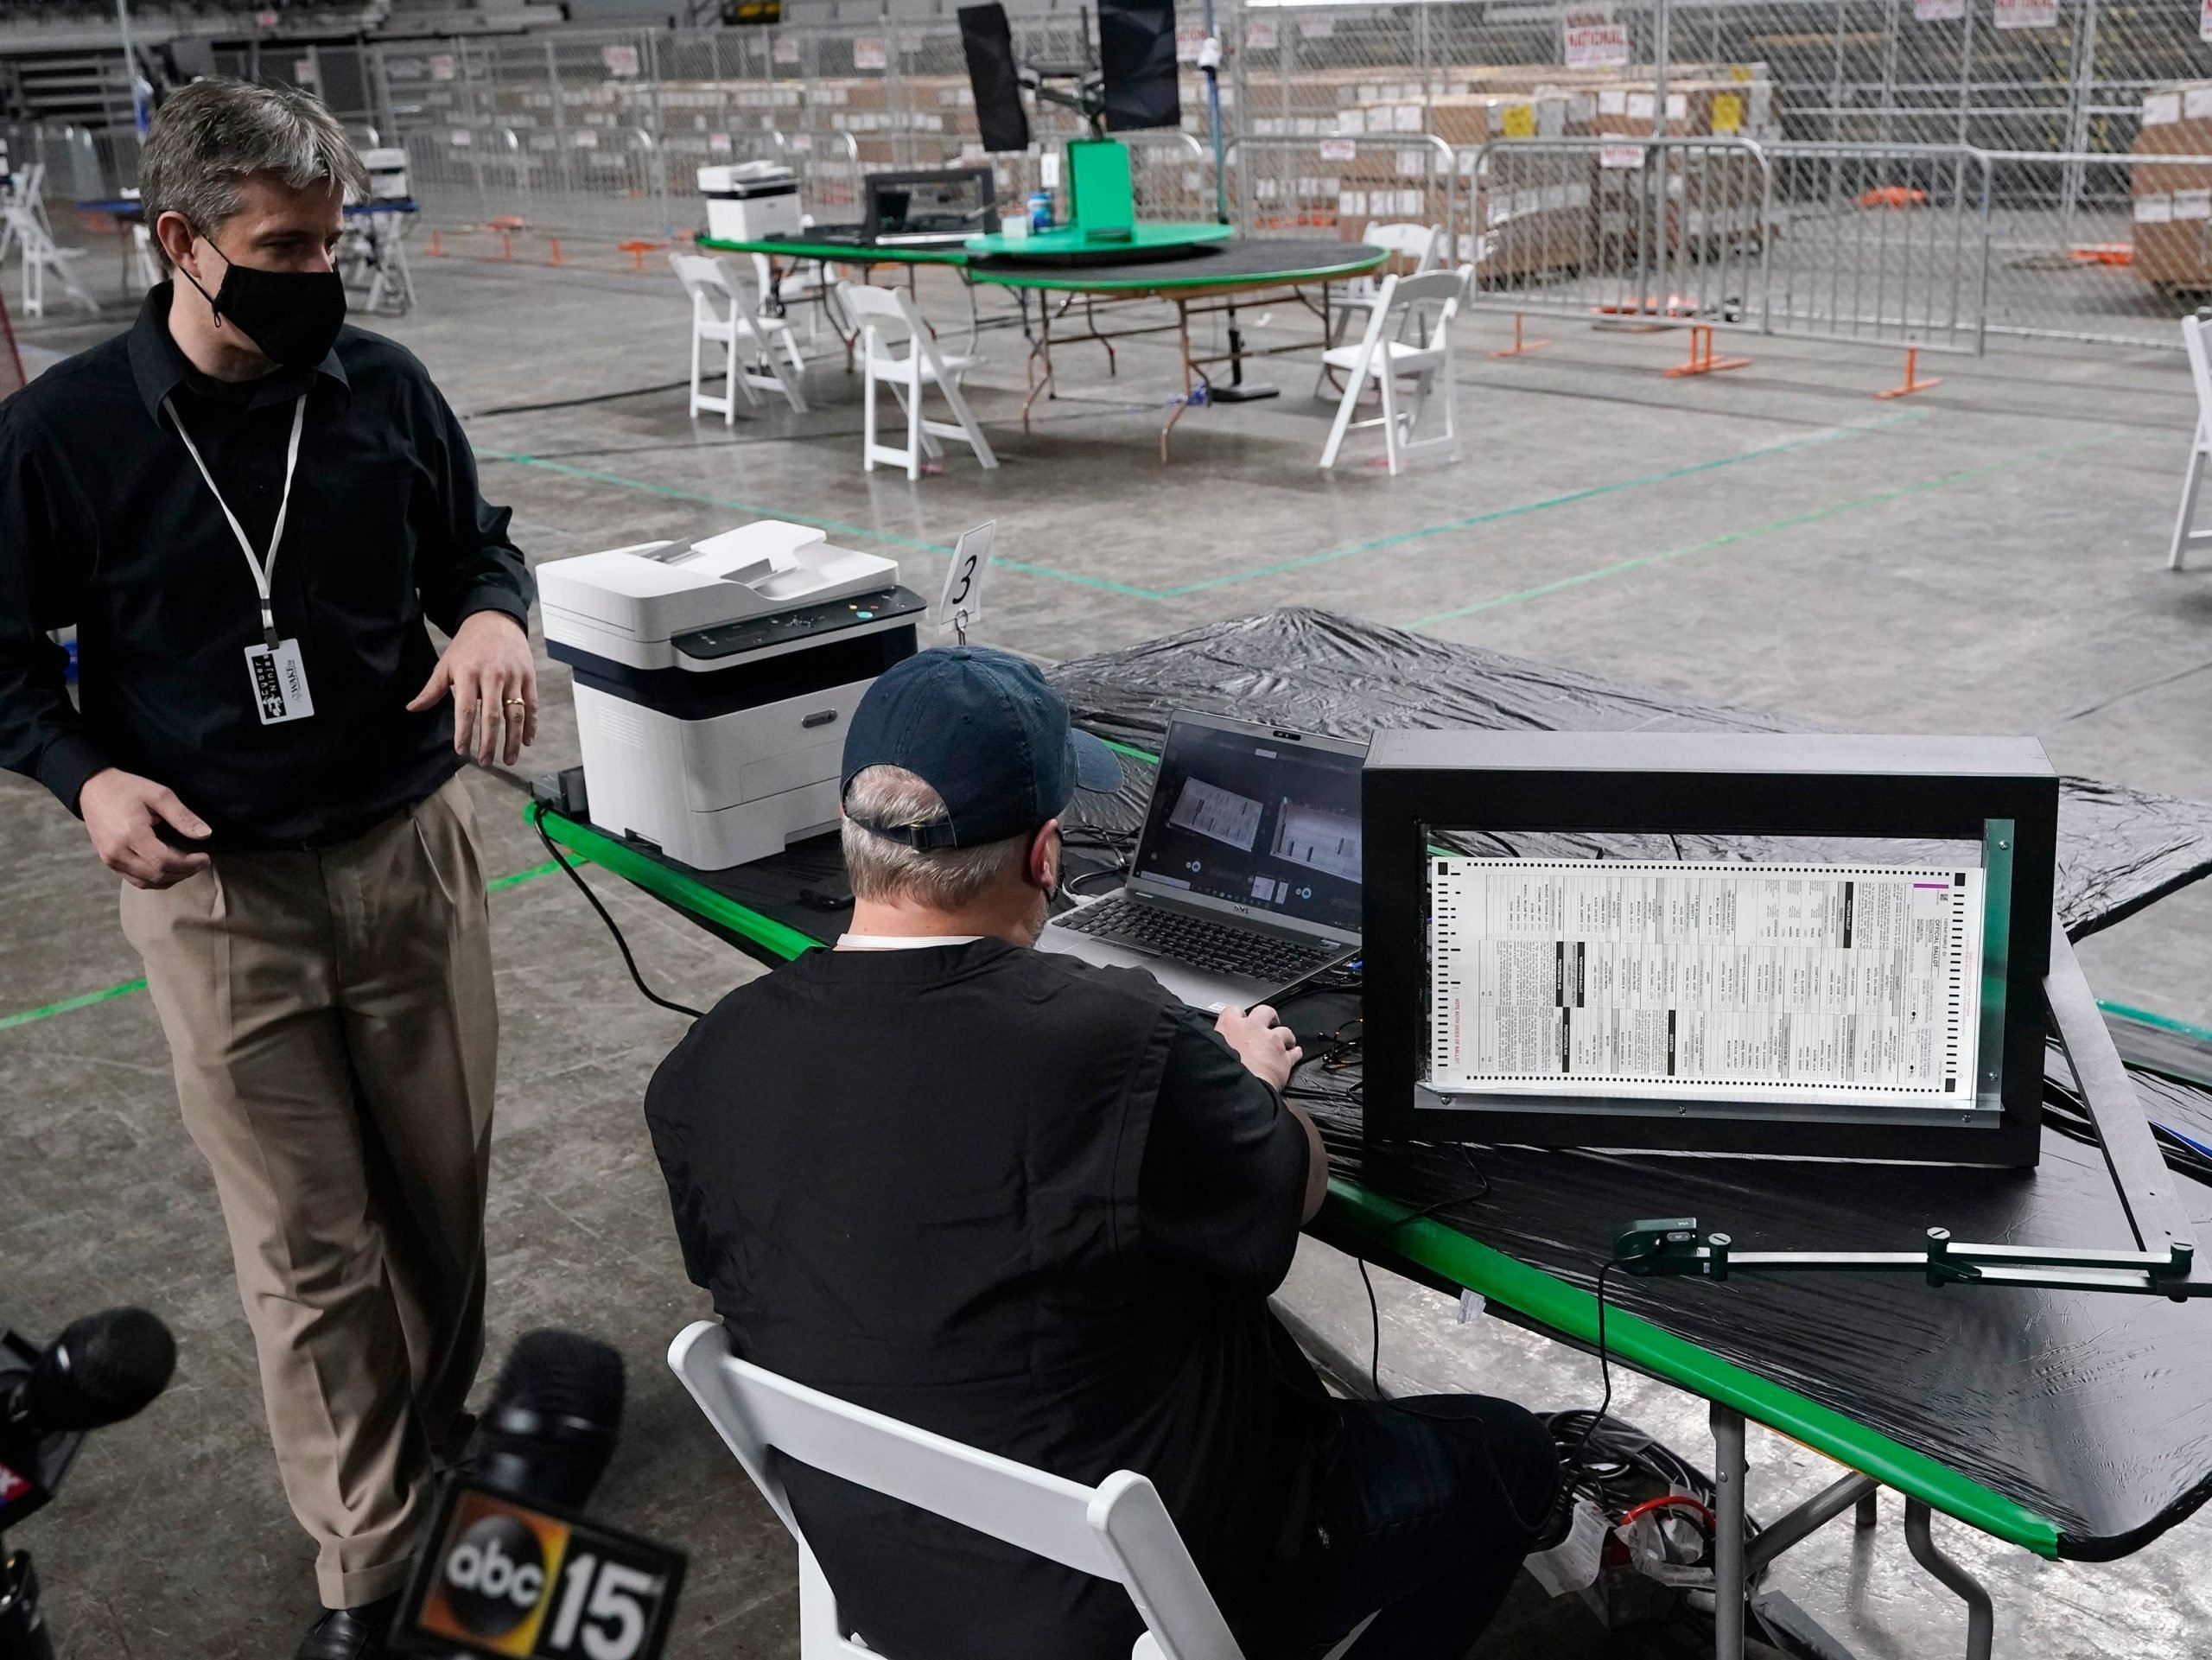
<point>881,868</point>
<point>214,135</point>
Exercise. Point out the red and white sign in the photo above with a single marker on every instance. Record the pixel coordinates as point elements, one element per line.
<point>619,60</point>
<point>1594,40</point>
<point>1620,156</point>
<point>1188,39</point>
<point>1259,33</point>
<point>12,1486</point>
<point>1317,28</point>
<point>1939,11</point>
<point>2027,14</point>
<point>442,66</point>
<point>1339,149</point>
<point>2204,21</point>
<point>264,20</point>
<point>869,53</point>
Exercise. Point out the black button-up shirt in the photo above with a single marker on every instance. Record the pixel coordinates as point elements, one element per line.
<point>105,523</point>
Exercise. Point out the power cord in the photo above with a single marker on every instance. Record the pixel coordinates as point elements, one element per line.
<point>537,823</point>
<point>1544,1530</point>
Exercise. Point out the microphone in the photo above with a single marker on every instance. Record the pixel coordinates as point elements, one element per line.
<point>509,1564</point>
<point>550,1431</point>
<point>105,1368</point>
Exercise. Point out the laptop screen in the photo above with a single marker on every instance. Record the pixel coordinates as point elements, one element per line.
<point>946,203</point>
<point>1242,815</point>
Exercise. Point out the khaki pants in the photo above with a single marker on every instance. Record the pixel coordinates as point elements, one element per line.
<point>331,1018</point>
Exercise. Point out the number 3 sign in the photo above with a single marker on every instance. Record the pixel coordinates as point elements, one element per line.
<point>960,607</point>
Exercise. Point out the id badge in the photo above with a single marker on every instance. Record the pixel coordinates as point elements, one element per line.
<point>280,684</point>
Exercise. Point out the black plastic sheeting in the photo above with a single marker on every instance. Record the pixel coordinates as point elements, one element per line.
<point>2095,1409</point>
<point>2119,850</point>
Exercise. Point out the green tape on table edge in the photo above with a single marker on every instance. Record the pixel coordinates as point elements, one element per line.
<point>1553,1303</point>
<point>843,253</point>
<point>695,898</point>
<point>1072,280</point>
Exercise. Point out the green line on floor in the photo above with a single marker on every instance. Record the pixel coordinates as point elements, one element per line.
<point>87,999</point>
<point>676,493</point>
<point>1589,492</point>
<point>70,1005</point>
<point>1876,499</point>
<point>1136,591</point>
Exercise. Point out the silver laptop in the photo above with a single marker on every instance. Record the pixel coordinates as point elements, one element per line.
<point>1245,882</point>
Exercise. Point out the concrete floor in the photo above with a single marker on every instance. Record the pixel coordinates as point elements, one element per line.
<point>1985,558</point>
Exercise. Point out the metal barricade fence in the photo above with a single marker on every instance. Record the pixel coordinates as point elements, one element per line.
<point>1872,244</point>
<point>1666,230</point>
<point>1879,243</point>
<point>1338,185</point>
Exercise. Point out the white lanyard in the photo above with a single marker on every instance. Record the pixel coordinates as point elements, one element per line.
<point>263,571</point>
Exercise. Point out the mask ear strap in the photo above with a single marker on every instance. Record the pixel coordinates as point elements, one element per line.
<point>214,306</point>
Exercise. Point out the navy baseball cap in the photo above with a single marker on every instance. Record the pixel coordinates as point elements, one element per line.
<point>983,729</point>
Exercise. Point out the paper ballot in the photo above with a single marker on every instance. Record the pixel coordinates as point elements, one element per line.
<point>1743,982</point>
<point>1222,814</point>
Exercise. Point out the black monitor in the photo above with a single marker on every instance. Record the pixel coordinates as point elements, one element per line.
<point>1136,52</point>
<point>988,40</point>
<point>1814,945</point>
<point>930,206</point>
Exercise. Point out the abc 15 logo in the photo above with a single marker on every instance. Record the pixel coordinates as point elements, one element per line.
<point>498,1564</point>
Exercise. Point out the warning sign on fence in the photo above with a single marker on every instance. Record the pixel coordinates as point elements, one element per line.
<point>1594,40</point>
<point>2027,14</point>
<point>868,53</point>
<point>1939,11</point>
<point>2204,21</point>
<point>620,61</point>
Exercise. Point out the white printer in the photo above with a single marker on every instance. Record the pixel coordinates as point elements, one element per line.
<point>714,681</point>
<point>746,200</point>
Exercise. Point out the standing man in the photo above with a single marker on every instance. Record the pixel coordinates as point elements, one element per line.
<point>250,510</point>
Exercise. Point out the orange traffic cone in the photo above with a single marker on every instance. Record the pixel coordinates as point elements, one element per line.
<point>556,258</point>
<point>437,243</point>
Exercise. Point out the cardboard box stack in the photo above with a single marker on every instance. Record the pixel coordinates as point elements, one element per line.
<point>2172,200</point>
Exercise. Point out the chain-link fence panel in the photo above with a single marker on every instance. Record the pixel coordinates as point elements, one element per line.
<point>1333,110</point>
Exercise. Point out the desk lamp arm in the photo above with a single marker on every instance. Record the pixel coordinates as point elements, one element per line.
<point>2164,1263</point>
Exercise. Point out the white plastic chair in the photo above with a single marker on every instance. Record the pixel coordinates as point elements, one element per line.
<point>41,254</point>
<point>887,321</point>
<point>724,313</point>
<point>2192,337</point>
<point>143,266</point>
<point>25,188</point>
<point>1408,337</point>
<point>1117,1530</point>
<point>1414,250</point>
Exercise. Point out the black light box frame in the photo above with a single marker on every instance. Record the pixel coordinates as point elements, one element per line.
<point>1707,785</point>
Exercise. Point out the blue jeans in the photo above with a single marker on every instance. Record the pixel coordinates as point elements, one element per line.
<point>1428,1508</point>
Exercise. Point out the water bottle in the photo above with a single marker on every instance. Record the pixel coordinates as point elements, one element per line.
<point>1040,210</point>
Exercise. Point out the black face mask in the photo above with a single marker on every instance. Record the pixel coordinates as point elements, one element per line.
<point>292,316</point>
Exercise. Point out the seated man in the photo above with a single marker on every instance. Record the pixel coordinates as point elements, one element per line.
<point>1038,1206</point>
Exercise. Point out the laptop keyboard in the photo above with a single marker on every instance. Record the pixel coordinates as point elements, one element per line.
<point>1214,946</point>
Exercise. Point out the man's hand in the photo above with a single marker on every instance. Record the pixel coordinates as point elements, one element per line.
<point>1269,1051</point>
<point>121,812</point>
<point>487,668</point>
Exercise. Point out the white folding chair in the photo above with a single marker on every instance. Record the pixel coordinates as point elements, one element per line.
<point>1117,1530</point>
<point>1408,337</point>
<point>26,189</point>
<point>143,265</point>
<point>41,255</point>
<point>2192,337</point>
<point>887,321</point>
<point>724,313</point>
<point>1414,250</point>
